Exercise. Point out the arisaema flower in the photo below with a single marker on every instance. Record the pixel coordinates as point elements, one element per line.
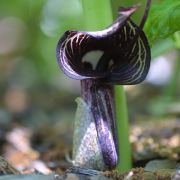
<point>119,54</point>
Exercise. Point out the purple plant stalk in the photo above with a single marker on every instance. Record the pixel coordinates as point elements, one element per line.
<point>100,97</point>
<point>119,54</point>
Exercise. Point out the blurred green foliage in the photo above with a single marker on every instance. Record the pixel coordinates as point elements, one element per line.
<point>43,22</point>
<point>163,20</point>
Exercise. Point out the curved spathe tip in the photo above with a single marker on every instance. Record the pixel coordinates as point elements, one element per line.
<point>119,54</point>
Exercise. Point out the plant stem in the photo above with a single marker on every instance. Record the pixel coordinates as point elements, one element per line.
<point>98,15</point>
<point>123,130</point>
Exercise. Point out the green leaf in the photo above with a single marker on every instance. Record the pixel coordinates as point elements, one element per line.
<point>163,20</point>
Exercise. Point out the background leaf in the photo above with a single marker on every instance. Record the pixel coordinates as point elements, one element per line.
<point>163,20</point>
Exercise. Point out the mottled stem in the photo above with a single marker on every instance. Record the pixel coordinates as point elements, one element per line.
<point>100,99</point>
